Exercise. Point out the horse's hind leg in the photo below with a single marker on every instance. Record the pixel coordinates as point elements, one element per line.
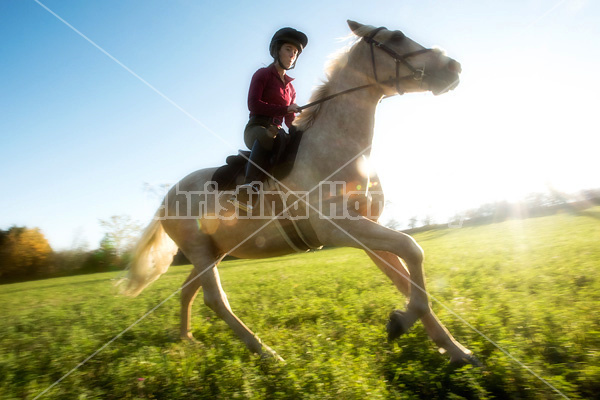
<point>216,299</point>
<point>189,290</point>
<point>203,259</point>
<point>393,267</point>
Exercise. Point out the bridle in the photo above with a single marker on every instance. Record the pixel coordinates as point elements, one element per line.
<point>417,74</point>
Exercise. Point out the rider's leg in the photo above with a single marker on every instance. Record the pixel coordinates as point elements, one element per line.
<point>257,164</point>
<point>260,141</point>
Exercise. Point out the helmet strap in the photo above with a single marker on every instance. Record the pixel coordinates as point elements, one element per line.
<point>281,65</point>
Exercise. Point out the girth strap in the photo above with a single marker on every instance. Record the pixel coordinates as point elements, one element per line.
<point>296,232</point>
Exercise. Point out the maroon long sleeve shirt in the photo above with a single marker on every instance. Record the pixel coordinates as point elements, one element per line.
<point>268,96</point>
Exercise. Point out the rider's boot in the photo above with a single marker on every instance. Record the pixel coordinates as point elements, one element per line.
<point>257,163</point>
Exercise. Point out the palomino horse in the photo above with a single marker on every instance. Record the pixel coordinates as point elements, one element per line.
<point>337,132</point>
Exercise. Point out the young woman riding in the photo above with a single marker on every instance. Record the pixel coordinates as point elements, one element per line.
<point>271,101</point>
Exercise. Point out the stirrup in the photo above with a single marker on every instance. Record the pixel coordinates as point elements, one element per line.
<point>245,204</point>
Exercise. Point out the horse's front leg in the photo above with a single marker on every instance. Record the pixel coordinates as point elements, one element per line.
<point>372,237</point>
<point>393,267</point>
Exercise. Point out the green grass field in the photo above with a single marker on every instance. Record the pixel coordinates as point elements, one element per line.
<point>531,286</point>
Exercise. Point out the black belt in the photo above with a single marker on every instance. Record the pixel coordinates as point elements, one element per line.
<point>264,121</point>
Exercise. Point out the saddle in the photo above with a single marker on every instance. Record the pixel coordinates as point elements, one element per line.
<point>281,162</point>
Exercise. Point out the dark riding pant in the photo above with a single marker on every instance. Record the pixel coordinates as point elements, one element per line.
<point>264,135</point>
<point>259,137</point>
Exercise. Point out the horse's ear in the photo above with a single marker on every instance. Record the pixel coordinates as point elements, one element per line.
<point>354,25</point>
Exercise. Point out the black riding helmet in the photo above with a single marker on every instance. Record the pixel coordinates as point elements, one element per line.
<point>287,35</point>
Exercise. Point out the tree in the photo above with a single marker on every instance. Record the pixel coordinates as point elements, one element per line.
<point>105,258</point>
<point>121,232</point>
<point>393,224</point>
<point>24,252</point>
<point>70,261</point>
<point>427,220</point>
<point>412,222</point>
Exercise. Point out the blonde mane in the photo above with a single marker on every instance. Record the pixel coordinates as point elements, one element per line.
<point>337,61</point>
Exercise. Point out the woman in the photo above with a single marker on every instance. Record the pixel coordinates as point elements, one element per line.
<point>271,101</point>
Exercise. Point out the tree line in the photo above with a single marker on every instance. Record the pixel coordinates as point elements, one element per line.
<point>25,253</point>
<point>532,205</point>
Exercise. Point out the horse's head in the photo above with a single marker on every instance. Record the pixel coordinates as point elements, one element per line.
<point>401,65</point>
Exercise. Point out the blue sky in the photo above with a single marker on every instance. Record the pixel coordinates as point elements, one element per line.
<point>81,135</point>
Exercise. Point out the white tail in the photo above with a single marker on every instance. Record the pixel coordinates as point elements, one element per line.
<point>152,257</point>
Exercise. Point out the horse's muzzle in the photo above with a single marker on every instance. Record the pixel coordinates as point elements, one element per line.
<point>447,79</point>
<point>454,67</point>
<point>440,85</point>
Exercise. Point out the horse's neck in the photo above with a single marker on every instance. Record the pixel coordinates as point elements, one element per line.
<point>344,125</point>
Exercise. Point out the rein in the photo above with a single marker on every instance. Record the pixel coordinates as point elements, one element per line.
<point>331,96</point>
<point>417,74</point>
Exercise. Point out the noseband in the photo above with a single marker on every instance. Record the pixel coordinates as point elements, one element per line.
<point>401,59</point>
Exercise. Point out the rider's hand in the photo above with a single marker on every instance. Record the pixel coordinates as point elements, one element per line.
<point>293,108</point>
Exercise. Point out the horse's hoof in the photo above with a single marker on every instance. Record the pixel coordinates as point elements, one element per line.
<point>397,325</point>
<point>466,360</point>
<point>267,353</point>
<point>189,338</point>
<point>271,356</point>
